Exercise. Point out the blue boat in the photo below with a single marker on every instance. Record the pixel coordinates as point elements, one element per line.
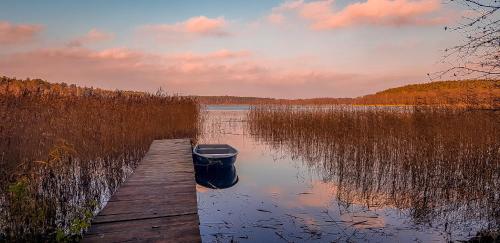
<point>216,177</point>
<point>214,155</point>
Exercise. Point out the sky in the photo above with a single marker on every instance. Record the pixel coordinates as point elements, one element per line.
<point>265,48</point>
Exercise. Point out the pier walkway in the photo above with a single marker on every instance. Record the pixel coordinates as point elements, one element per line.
<point>156,203</point>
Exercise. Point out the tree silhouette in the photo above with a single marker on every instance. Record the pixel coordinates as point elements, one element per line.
<point>478,53</point>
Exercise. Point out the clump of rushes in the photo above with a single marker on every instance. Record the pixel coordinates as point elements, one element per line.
<point>438,164</point>
<point>63,147</point>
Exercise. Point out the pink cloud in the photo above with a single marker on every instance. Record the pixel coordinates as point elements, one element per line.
<point>17,33</point>
<point>217,55</point>
<point>222,72</point>
<point>276,18</point>
<point>93,36</point>
<point>323,16</point>
<point>205,26</point>
<point>200,26</point>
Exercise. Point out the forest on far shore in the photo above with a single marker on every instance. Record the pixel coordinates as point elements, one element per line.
<point>484,94</point>
<point>466,93</point>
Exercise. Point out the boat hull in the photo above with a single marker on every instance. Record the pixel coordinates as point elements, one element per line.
<point>218,161</point>
<point>216,177</point>
<point>214,154</point>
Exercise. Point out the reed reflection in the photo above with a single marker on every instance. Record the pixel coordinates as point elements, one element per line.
<point>438,165</point>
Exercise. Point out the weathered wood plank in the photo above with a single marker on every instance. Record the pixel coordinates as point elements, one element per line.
<point>156,203</point>
<point>164,229</point>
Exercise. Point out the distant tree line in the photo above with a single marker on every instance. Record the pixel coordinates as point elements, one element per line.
<point>467,93</point>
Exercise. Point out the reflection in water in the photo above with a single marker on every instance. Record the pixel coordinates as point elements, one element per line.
<point>440,165</point>
<point>216,177</point>
<point>355,175</point>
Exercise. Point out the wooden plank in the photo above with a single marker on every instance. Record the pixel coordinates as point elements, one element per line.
<point>156,203</point>
<point>164,229</point>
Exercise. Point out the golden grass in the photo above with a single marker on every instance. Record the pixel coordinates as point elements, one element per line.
<point>437,163</point>
<point>64,148</point>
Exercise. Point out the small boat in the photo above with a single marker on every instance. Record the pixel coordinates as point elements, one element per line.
<point>216,177</point>
<point>214,154</point>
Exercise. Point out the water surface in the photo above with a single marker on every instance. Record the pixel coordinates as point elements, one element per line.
<point>284,197</point>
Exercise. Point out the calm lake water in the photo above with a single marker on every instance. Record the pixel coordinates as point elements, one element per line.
<point>282,199</point>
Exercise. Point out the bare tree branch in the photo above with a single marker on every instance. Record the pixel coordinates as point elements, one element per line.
<point>478,54</point>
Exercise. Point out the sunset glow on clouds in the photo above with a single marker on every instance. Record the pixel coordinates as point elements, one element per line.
<point>286,49</point>
<point>17,33</point>
<point>194,27</point>
<point>93,36</point>
<point>184,72</point>
<point>322,16</point>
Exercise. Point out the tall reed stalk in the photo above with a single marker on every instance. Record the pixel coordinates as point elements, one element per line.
<point>438,164</point>
<point>65,149</point>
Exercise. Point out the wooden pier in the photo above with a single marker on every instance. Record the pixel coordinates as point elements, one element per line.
<point>156,203</point>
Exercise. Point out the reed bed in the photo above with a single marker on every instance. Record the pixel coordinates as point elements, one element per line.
<point>65,149</point>
<point>440,165</point>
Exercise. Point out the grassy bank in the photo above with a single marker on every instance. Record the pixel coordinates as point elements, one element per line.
<point>64,149</point>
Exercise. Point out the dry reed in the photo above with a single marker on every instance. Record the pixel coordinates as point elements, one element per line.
<point>64,149</point>
<point>440,165</point>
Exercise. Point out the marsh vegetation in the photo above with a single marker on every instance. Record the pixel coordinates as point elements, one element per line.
<point>440,166</point>
<point>65,149</point>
